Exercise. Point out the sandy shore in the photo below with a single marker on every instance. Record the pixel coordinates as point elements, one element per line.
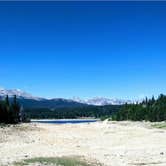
<point>110,143</point>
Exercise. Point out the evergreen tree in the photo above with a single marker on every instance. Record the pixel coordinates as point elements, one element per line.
<point>15,110</point>
<point>149,110</point>
<point>9,113</point>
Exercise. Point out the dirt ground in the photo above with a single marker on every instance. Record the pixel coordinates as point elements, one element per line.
<point>110,143</point>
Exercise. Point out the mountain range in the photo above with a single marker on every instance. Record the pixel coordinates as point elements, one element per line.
<point>30,101</point>
<point>101,101</point>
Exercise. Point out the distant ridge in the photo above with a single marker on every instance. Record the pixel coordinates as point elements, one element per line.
<point>31,101</point>
<point>101,101</point>
<point>19,93</point>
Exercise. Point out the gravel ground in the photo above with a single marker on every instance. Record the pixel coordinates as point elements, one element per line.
<point>110,143</point>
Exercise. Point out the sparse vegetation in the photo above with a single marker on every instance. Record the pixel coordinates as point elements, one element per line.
<point>59,161</point>
<point>159,125</point>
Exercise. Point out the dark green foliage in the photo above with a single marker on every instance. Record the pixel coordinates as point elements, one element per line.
<point>149,110</point>
<point>75,112</point>
<point>48,103</point>
<point>9,113</point>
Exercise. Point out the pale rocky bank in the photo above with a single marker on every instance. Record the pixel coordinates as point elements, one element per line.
<point>110,143</point>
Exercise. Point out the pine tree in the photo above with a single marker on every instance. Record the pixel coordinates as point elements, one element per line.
<point>149,109</point>
<point>15,110</point>
<point>7,103</point>
<point>7,110</point>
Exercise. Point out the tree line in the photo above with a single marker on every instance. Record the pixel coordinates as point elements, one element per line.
<point>149,110</point>
<point>70,113</point>
<point>10,111</point>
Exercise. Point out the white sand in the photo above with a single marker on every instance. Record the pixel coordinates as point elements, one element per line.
<point>111,143</point>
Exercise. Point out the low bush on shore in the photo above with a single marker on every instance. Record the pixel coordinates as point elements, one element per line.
<point>159,125</point>
<point>59,161</point>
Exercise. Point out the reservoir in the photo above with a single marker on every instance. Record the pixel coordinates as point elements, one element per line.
<point>65,121</point>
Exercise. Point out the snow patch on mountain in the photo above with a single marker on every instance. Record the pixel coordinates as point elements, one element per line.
<point>99,101</point>
<point>19,93</point>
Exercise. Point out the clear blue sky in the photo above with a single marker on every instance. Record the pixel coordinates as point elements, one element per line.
<point>85,49</point>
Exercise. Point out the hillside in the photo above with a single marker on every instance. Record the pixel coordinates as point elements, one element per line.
<point>30,101</point>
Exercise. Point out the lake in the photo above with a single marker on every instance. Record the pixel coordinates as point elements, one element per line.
<point>65,121</point>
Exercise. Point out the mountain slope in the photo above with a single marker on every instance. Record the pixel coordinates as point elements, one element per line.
<point>51,104</point>
<point>100,101</point>
<point>30,101</point>
<point>18,93</point>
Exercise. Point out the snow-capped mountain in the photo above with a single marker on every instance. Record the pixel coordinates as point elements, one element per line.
<point>29,101</point>
<point>99,101</point>
<point>106,101</point>
<point>19,93</point>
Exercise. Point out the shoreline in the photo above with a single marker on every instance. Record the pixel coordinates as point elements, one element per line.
<point>64,119</point>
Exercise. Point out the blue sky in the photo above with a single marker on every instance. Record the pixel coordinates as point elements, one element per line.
<point>85,49</point>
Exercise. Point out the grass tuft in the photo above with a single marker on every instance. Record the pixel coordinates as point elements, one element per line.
<point>56,161</point>
<point>159,125</point>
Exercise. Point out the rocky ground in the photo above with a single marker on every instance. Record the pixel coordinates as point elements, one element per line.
<point>109,143</point>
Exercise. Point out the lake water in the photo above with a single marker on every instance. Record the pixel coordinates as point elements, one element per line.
<point>72,121</point>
